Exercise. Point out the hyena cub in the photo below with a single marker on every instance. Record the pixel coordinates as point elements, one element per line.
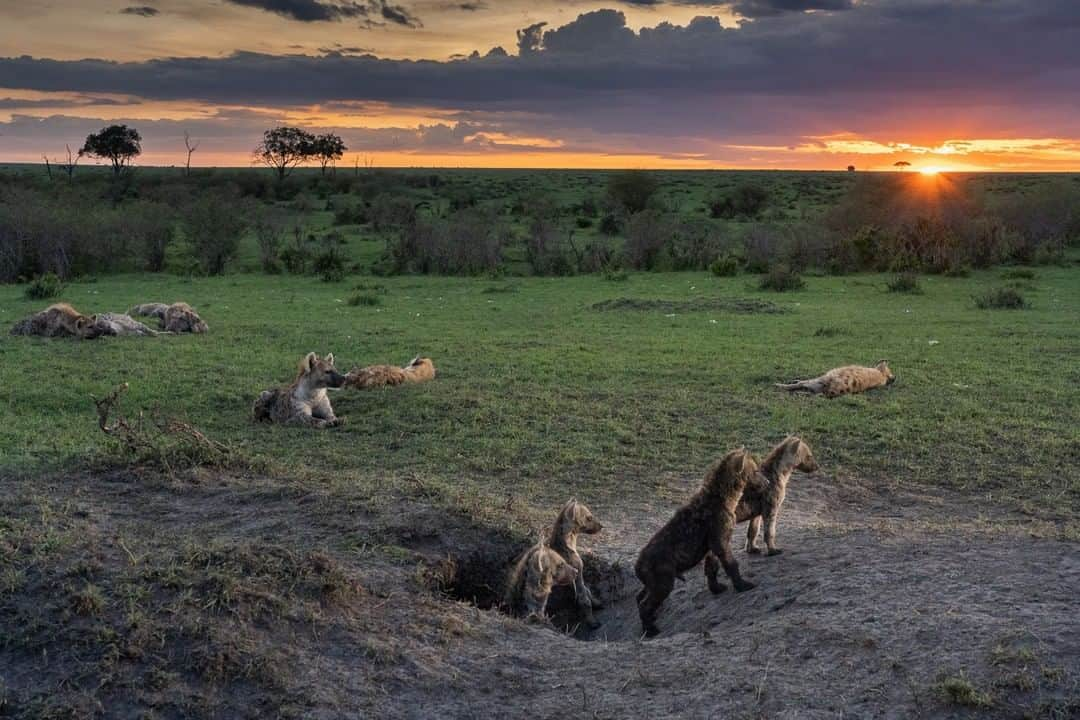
<point>179,317</point>
<point>844,380</point>
<point>575,518</point>
<point>701,529</point>
<point>529,585</point>
<point>765,494</point>
<point>305,402</point>
<point>421,369</point>
<point>59,320</point>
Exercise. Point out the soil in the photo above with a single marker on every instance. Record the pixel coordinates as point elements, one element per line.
<point>880,596</point>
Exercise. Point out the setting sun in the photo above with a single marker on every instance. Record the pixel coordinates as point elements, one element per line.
<point>930,170</point>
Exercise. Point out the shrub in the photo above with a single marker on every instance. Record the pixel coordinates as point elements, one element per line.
<point>389,212</point>
<point>270,225</point>
<point>547,242</point>
<point>213,225</point>
<point>631,190</point>
<point>746,200</point>
<point>46,286</point>
<point>366,299</point>
<point>1000,299</point>
<point>609,224</point>
<point>647,233</point>
<point>762,245</point>
<point>329,265</point>
<point>351,214</point>
<point>583,222</point>
<point>694,244</point>
<point>907,282</point>
<point>1018,274</point>
<point>469,242</point>
<point>781,278</point>
<point>727,266</point>
<point>150,226</point>
<point>616,275</point>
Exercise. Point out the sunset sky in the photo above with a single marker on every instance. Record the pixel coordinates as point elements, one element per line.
<point>803,84</point>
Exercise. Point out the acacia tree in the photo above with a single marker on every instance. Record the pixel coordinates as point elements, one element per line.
<point>327,149</point>
<point>283,148</point>
<point>902,164</point>
<point>118,144</point>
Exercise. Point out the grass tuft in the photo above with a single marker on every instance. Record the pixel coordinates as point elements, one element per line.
<point>47,286</point>
<point>781,278</point>
<point>958,690</point>
<point>907,282</point>
<point>1000,299</point>
<point>364,299</point>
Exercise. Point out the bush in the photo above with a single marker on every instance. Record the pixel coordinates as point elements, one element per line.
<point>1018,274</point>
<point>762,246</point>
<point>270,225</point>
<point>647,233</point>
<point>616,275</point>
<point>366,299</point>
<point>1000,299</point>
<point>213,225</point>
<point>469,242</point>
<point>907,282</point>
<point>547,243</point>
<point>727,266</point>
<point>609,224</point>
<point>47,286</point>
<point>329,265</point>
<point>747,200</point>
<point>631,190</point>
<point>781,278</point>
<point>351,214</point>
<point>150,226</point>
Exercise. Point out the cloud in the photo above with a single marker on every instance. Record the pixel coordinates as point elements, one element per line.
<point>140,10</point>
<point>764,8</point>
<point>398,15</point>
<point>335,10</point>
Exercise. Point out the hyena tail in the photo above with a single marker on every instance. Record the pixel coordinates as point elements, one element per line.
<point>260,411</point>
<point>799,386</point>
<point>23,327</point>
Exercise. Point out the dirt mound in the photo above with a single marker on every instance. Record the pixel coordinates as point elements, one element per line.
<point>744,306</point>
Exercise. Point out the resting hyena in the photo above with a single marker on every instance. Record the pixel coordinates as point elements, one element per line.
<point>116,324</point>
<point>765,494</point>
<point>845,380</point>
<point>59,320</point>
<point>305,402</point>
<point>575,518</point>
<point>421,369</point>
<point>179,317</point>
<point>529,585</point>
<point>701,529</point>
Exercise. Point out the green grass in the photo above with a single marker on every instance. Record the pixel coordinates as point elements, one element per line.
<point>538,394</point>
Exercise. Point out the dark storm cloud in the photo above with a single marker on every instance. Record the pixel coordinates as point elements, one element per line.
<point>763,8</point>
<point>398,15</point>
<point>1014,49</point>
<point>336,10</point>
<point>140,10</point>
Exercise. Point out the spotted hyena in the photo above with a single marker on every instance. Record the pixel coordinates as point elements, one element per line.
<point>764,495</point>
<point>574,519</point>
<point>305,401</point>
<point>529,585</point>
<point>117,324</point>
<point>59,320</point>
<point>700,530</point>
<point>421,369</point>
<point>179,317</point>
<point>845,380</point>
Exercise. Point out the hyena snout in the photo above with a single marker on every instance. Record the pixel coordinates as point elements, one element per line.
<point>334,379</point>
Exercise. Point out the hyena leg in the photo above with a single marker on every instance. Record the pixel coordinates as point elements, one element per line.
<point>712,569</point>
<point>585,600</point>
<point>721,547</point>
<point>536,604</point>
<point>770,532</point>
<point>752,530</point>
<point>654,596</point>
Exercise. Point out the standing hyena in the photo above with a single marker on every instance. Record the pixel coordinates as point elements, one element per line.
<point>529,585</point>
<point>845,380</point>
<point>575,518</point>
<point>59,320</point>
<point>700,529</point>
<point>765,494</point>
<point>179,317</point>
<point>305,402</point>
<point>421,369</point>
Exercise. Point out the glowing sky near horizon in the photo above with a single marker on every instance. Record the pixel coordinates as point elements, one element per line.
<point>802,84</point>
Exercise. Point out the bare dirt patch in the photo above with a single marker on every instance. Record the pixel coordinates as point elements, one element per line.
<point>129,596</point>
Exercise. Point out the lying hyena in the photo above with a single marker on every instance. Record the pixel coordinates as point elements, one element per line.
<point>765,494</point>
<point>845,380</point>
<point>179,317</point>
<point>421,369</point>
<point>575,518</point>
<point>701,529</point>
<point>305,402</point>
<point>529,585</point>
<point>116,324</point>
<point>59,320</point>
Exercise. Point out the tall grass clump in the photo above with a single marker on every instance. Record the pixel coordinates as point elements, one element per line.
<point>1000,299</point>
<point>44,287</point>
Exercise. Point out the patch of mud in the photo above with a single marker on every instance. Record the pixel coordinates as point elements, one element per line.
<point>743,306</point>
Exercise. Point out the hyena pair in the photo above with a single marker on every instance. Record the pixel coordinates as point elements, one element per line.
<point>554,561</point>
<point>306,402</point>
<point>735,489</point>
<point>62,320</point>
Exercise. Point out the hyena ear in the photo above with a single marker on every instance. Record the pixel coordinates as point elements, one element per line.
<point>309,361</point>
<point>330,358</point>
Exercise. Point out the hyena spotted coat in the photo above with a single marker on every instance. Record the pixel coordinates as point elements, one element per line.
<point>305,401</point>
<point>765,494</point>
<point>117,324</point>
<point>574,519</point>
<point>59,320</point>
<point>421,369</point>
<point>845,380</point>
<point>529,584</point>
<point>179,317</point>
<point>700,529</point>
